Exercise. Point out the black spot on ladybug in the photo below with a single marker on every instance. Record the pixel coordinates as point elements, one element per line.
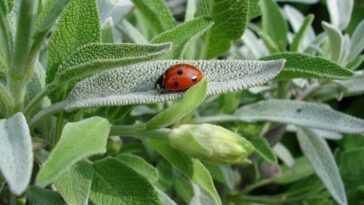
<point>179,71</point>
<point>175,84</point>
<point>193,78</point>
<point>299,110</point>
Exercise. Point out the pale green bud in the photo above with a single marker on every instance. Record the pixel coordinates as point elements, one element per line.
<point>211,143</point>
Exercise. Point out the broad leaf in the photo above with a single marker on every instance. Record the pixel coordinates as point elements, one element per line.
<point>302,32</point>
<point>157,13</point>
<point>323,162</point>
<point>302,114</point>
<point>230,18</point>
<point>340,12</point>
<point>114,183</point>
<point>16,154</point>
<point>274,24</point>
<point>357,41</point>
<point>182,34</point>
<point>190,167</point>
<point>93,58</point>
<point>78,26</point>
<point>190,101</point>
<point>75,184</point>
<point>41,196</point>
<point>78,141</point>
<point>263,149</point>
<point>135,84</point>
<point>336,41</point>
<point>306,66</point>
<point>352,168</point>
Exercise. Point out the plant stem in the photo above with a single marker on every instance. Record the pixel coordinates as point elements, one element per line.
<point>50,87</point>
<point>48,111</point>
<point>139,131</point>
<point>6,99</point>
<point>59,126</point>
<point>7,38</point>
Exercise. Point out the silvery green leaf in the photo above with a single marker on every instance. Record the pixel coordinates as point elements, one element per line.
<point>200,197</point>
<point>135,84</point>
<point>346,50</point>
<point>336,41</point>
<point>352,86</point>
<point>326,134</point>
<point>131,33</point>
<point>284,154</point>
<point>357,41</point>
<point>323,162</point>
<point>16,154</point>
<point>301,113</point>
<point>164,197</point>
<point>298,40</point>
<point>340,12</point>
<point>191,9</point>
<point>116,9</point>
<point>107,33</point>
<point>300,1</point>
<point>255,45</point>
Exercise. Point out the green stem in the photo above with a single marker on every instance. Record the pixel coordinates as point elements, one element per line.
<point>139,130</point>
<point>257,185</point>
<point>59,126</point>
<point>48,111</point>
<point>7,37</point>
<point>18,90</point>
<point>6,99</point>
<point>50,87</point>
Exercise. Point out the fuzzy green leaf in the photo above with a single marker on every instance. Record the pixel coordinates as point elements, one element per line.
<point>78,26</point>
<point>16,154</point>
<point>75,184</point>
<point>157,13</point>
<point>302,114</point>
<point>274,24</point>
<point>230,18</point>
<point>299,37</point>
<point>323,162</point>
<point>190,167</point>
<point>340,12</point>
<point>135,84</point>
<point>94,58</point>
<point>139,165</point>
<point>357,41</point>
<point>336,41</point>
<point>263,149</point>
<point>306,66</point>
<point>182,34</point>
<point>41,196</point>
<point>114,183</point>
<point>78,141</point>
<point>190,101</point>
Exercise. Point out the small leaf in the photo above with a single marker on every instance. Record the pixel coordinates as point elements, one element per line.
<point>16,154</point>
<point>357,41</point>
<point>254,9</point>
<point>336,41</point>
<point>351,168</point>
<point>340,12</point>
<point>302,114</point>
<point>306,66</point>
<point>190,101</point>
<point>182,34</point>
<point>157,13</point>
<point>78,141</point>
<point>323,162</point>
<point>135,84</point>
<point>41,196</point>
<point>299,37</point>
<point>114,183</point>
<point>78,26</point>
<point>263,149</point>
<point>274,24</point>
<point>190,167</point>
<point>139,165</point>
<point>299,171</point>
<point>76,179</point>
<point>93,58</point>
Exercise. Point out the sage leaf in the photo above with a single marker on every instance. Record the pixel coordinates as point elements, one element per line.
<point>263,149</point>
<point>302,32</point>
<point>115,183</point>
<point>300,170</point>
<point>75,184</point>
<point>16,154</point>
<point>93,58</point>
<point>323,162</point>
<point>78,141</point>
<point>336,41</point>
<point>139,165</point>
<point>357,41</point>
<point>107,31</point>
<point>302,114</point>
<point>273,23</point>
<point>164,197</point>
<point>230,18</point>
<point>190,101</point>
<point>182,34</point>
<point>353,86</point>
<point>135,84</point>
<point>41,196</point>
<point>190,167</point>
<point>157,14</point>
<point>254,9</point>
<point>340,12</point>
<point>79,25</point>
<point>116,10</point>
<point>305,66</point>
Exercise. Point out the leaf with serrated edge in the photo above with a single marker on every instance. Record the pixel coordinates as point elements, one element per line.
<point>323,162</point>
<point>16,154</point>
<point>301,113</point>
<point>78,141</point>
<point>135,84</point>
<point>305,66</point>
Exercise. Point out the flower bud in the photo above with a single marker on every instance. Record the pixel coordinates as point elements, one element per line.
<point>211,143</point>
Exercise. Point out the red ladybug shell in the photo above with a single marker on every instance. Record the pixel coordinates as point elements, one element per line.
<point>179,77</point>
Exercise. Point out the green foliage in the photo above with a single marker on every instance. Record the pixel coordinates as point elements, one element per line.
<point>263,149</point>
<point>299,37</point>
<point>41,196</point>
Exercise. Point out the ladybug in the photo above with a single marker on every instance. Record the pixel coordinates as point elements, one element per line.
<point>178,78</point>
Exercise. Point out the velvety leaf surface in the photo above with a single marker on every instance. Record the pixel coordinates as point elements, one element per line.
<point>16,154</point>
<point>41,196</point>
<point>78,140</point>
<point>75,184</point>
<point>301,113</point>
<point>357,41</point>
<point>323,162</point>
<point>134,84</point>
<point>340,12</point>
<point>336,41</point>
<point>139,165</point>
<point>305,66</point>
<point>114,183</point>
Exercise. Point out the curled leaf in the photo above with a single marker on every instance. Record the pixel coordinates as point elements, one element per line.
<point>134,84</point>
